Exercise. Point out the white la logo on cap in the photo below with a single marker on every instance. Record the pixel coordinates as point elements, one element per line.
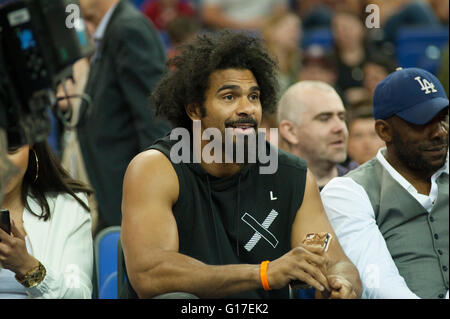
<point>425,85</point>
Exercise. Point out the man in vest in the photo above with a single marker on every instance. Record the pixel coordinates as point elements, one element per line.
<point>391,213</point>
<point>215,228</point>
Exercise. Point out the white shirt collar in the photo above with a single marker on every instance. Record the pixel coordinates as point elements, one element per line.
<point>100,31</point>
<point>399,178</point>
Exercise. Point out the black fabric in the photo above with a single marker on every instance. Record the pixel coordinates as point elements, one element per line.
<point>210,211</point>
<point>2,113</point>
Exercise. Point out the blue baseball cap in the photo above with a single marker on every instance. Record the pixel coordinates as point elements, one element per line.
<point>413,94</point>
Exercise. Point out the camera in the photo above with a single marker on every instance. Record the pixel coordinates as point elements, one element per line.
<point>39,42</point>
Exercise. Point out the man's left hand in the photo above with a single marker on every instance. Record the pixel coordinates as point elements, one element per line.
<point>341,288</point>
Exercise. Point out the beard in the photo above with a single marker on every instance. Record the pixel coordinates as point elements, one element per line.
<point>412,155</point>
<point>244,146</point>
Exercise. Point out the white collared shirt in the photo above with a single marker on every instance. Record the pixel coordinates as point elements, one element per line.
<point>426,201</point>
<point>63,244</point>
<point>100,31</point>
<point>351,214</point>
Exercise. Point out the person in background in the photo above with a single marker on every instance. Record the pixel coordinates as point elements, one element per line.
<point>119,123</point>
<point>49,252</point>
<point>282,36</point>
<point>181,30</point>
<point>240,14</point>
<point>408,13</point>
<point>391,213</point>
<point>312,126</point>
<point>318,66</point>
<point>162,12</point>
<point>319,13</point>
<point>315,14</point>
<point>376,68</point>
<point>350,52</point>
<point>72,158</point>
<point>363,141</point>
<point>396,15</point>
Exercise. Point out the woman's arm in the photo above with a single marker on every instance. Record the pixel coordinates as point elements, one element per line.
<point>71,260</point>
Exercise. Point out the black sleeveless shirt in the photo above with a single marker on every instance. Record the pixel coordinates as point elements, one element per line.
<point>242,219</point>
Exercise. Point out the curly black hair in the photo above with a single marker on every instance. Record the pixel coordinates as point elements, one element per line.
<point>188,80</point>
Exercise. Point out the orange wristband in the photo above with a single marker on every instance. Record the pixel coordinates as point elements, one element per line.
<point>263,275</point>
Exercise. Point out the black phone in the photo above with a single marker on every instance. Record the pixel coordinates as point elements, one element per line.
<point>5,222</point>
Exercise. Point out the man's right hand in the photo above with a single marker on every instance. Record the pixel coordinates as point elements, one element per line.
<point>305,263</point>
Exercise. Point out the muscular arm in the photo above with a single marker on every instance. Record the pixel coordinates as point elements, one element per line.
<point>311,218</point>
<point>150,243</point>
<point>150,238</point>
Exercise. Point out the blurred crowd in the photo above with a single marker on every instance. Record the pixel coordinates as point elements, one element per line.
<point>345,43</point>
<point>330,54</point>
<point>349,44</point>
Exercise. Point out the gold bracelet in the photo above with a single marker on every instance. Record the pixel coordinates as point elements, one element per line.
<point>33,277</point>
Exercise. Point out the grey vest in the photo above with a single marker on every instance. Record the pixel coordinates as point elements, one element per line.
<point>417,240</point>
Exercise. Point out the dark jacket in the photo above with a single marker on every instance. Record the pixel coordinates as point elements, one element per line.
<point>120,122</point>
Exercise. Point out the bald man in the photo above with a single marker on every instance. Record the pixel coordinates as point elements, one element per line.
<point>312,126</point>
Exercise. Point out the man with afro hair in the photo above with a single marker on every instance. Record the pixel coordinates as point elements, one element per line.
<point>224,229</point>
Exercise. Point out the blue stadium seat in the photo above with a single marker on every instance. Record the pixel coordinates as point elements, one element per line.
<point>302,293</point>
<point>420,47</point>
<point>105,250</point>
<point>321,36</point>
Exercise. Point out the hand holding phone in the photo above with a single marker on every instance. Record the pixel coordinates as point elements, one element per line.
<point>5,222</point>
